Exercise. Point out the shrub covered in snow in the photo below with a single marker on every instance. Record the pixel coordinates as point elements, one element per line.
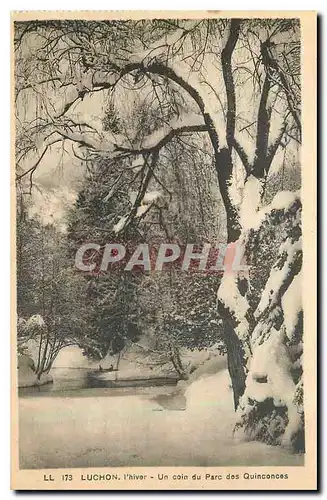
<point>271,408</point>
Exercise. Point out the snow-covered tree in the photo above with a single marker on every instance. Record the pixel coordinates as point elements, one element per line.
<point>110,295</point>
<point>233,85</point>
<point>49,293</point>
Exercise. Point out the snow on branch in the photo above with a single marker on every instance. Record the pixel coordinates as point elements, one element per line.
<point>231,298</point>
<point>140,208</point>
<point>117,144</point>
<point>147,63</point>
<point>272,149</point>
<point>114,145</point>
<point>181,74</point>
<point>158,139</point>
<point>288,264</point>
<point>292,305</point>
<point>242,155</point>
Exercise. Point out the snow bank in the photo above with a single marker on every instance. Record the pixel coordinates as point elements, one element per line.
<point>32,348</point>
<point>131,431</point>
<point>205,365</point>
<point>193,359</point>
<point>211,391</point>
<point>26,374</point>
<point>135,362</point>
<point>212,365</point>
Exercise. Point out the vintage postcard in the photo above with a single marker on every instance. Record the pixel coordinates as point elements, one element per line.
<point>164,250</point>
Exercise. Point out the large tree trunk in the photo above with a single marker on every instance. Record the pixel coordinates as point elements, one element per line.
<point>177,362</point>
<point>235,353</point>
<point>224,170</point>
<point>235,361</point>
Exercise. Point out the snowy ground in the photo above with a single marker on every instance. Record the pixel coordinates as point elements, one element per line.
<point>137,430</point>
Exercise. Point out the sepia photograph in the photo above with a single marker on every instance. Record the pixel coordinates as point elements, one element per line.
<point>160,302</point>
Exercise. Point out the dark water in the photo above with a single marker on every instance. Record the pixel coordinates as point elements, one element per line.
<point>63,379</point>
<point>80,381</point>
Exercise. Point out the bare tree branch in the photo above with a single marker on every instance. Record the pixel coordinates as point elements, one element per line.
<point>226,60</point>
